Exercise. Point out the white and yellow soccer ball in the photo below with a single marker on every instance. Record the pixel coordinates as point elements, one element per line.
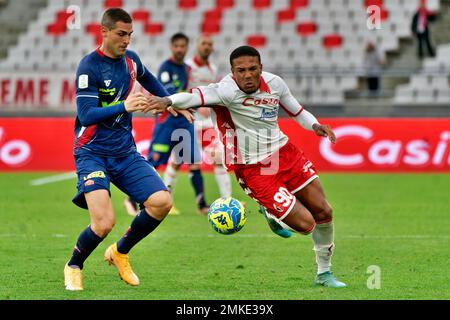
<point>227,215</point>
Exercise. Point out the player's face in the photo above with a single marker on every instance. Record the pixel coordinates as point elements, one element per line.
<point>205,47</point>
<point>247,72</point>
<point>179,49</point>
<point>117,40</point>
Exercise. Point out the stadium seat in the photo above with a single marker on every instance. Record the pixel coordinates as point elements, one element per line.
<point>256,41</point>
<point>286,15</point>
<point>332,41</point>
<point>298,4</point>
<point>94,29</point>
<point>224,4</point>
<point>378,3</point>
<point>153,28</point>
<point>210,27</point>
<point>261,4</point>
<point>113,4</point>
<point>141,15</point>
<point>305,29</point>
<point>187,4</point>
<point>213,14</point>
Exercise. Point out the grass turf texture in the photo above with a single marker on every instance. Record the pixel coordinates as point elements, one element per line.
<point>397,222</point>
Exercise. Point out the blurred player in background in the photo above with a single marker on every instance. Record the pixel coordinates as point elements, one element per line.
<point>174,75</point>
<point>270,169</point>
<point>105,151</point>
<point>204,72</point>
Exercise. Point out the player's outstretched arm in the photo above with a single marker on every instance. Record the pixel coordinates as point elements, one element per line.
<point>309,122</point>
<point>178,101</point>
<point>324,130</point>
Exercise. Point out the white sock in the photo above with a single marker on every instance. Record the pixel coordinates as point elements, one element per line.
<point>323,237</point>
<point>170,178</point>
<point>223,181</point>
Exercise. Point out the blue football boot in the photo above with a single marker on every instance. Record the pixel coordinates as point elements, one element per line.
<point>327,279</point>
<point>274,225</point>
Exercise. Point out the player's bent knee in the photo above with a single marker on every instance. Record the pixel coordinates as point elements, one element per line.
<point>307,229</point>
<point>102,227</point>
<point>159,204</point>
<point>325,215</point>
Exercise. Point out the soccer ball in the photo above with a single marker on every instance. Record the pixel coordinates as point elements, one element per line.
<point>227,215</point>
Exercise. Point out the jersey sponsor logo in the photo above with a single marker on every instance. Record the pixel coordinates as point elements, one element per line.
<point>14,152</point>
<point>248,102</point>
<point>107,82</point>
<point>269,114</point>
<point>110,92</point>
<point>391,152</point>
<point>83,81</point>
<point>95,174</point>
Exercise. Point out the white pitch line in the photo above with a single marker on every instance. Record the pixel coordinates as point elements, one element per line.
<point>54,178</point>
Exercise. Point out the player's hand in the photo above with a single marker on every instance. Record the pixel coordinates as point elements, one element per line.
<point>135,102</point>
<point>157,104</point>
<point>187,113</point>
<point>324,130</point>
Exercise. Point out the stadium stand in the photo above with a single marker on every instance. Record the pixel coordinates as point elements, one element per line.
<point>318,46</point>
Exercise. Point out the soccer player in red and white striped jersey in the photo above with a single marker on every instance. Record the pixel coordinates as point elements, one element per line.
<point>271,170</point>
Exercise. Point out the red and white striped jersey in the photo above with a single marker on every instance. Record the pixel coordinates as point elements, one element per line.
<point>249,122</point>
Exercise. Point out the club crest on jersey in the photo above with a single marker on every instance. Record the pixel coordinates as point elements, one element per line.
<point>258,101</point>
<point>107,82</point>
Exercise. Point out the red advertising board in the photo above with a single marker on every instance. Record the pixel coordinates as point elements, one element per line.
<point>363,145</point>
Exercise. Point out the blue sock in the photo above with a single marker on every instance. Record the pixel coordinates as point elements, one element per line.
<point>197,183</point>
<point>142,226</point>
<point>86,243</point>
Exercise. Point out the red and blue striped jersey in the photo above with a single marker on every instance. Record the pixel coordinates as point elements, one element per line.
<point>103,126</point>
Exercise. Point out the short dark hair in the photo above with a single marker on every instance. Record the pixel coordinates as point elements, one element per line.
<point>244,51</point>
<point>114,15</point>
<point>178,36</point>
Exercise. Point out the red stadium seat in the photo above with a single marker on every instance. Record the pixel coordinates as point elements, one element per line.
<point>142,15</point>
<point>59,27</point>
<point>306,29</point>
<point>187,4</point>
<point>286,15</point>
<point>95,30</point>
<point>153,28</point>
<point>332,41</point>
<point>214,14</point>
<point>210,27</point>
<point>296,4</point>
<point>113,4</point>
<point>257,40</point>
<point>224,4</point>
<point>62,16</point>
<point>261,4</point>
<point>55,29</point>
<point>374,3</point>
<point>384,14</point>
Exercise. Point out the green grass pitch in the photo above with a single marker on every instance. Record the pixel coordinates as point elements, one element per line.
<point>397,222</point>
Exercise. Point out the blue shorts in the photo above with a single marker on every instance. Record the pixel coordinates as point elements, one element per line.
<point>176,135</point>
<point>132,174</point>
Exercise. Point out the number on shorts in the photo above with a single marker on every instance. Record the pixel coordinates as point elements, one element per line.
<point>283,197</point>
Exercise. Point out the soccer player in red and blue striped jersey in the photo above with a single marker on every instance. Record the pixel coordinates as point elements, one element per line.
<point>105,151</point>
